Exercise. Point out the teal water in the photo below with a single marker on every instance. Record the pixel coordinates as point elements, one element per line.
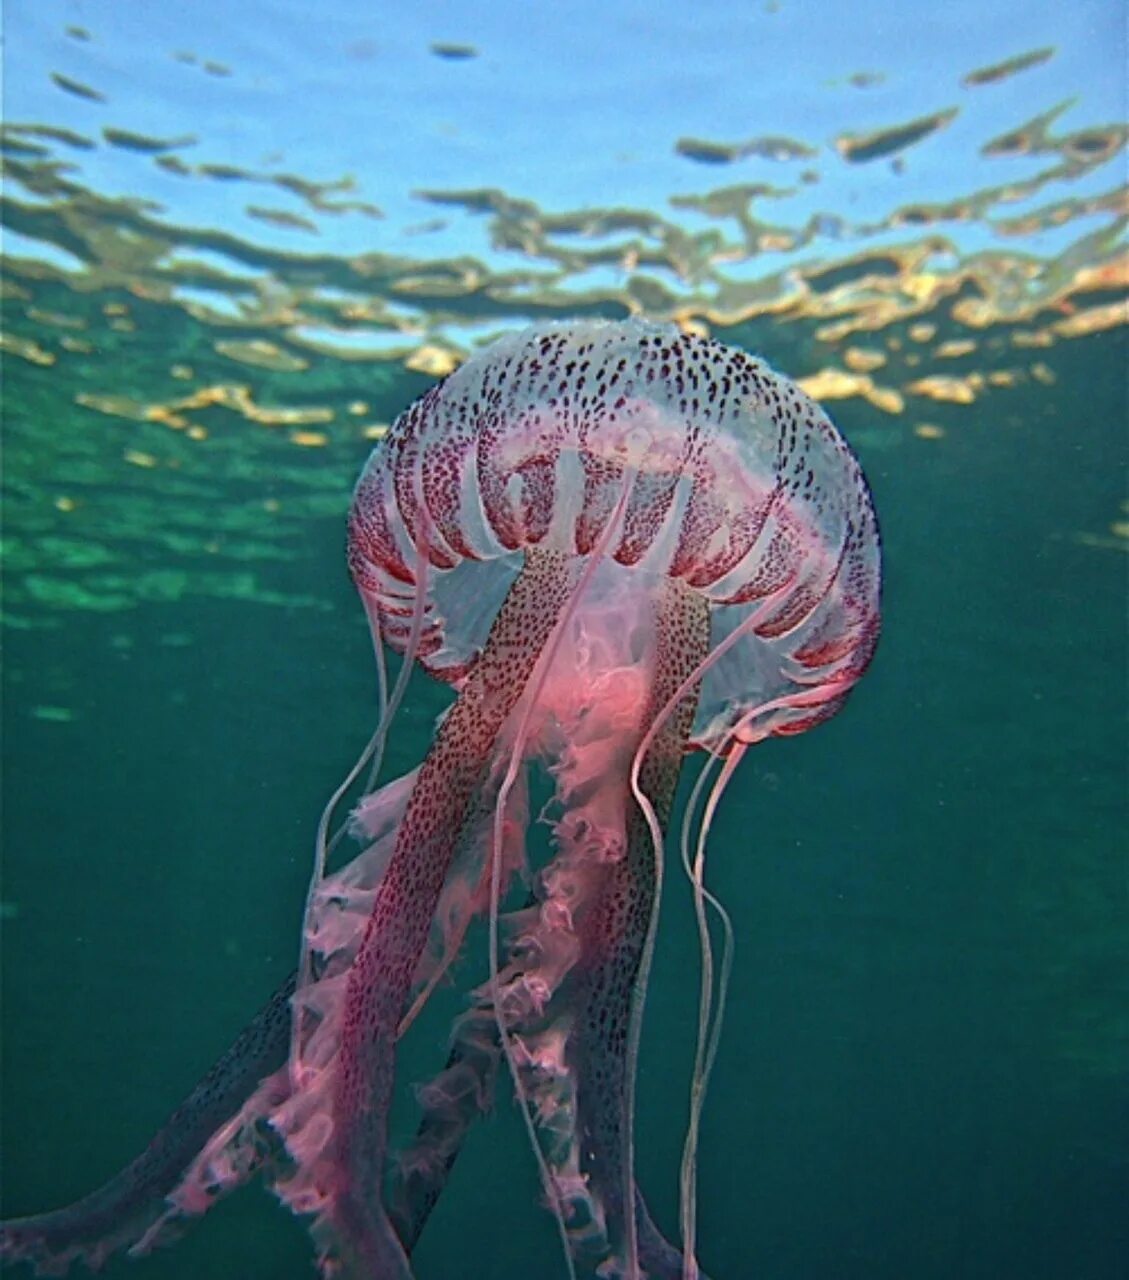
<point>925,1066</point>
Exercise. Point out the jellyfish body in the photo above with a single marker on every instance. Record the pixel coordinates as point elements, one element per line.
<point>616,542</point>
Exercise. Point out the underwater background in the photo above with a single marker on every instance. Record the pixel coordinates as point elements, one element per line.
<point>238,240</point>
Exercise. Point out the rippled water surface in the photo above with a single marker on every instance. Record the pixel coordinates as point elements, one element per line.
<point>239,240</point>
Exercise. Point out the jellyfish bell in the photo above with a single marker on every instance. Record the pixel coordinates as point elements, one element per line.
<point>736,484</point>
<point>616,543</point>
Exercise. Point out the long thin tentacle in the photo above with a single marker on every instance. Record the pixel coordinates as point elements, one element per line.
<point>374,751</point>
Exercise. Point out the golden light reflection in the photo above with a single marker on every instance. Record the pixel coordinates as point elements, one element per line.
<point>217,361</point>
<point>945,388</point>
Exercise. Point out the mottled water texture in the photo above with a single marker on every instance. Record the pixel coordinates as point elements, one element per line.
<point>268,349</point>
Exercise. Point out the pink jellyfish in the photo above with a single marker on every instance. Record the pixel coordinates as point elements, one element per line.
<point>617,543</point>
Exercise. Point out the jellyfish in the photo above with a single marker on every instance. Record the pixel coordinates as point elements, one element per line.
<point>618,544</point>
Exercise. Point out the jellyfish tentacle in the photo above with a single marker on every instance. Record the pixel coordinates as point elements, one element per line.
<point>552,969</point>
<point>732,760</point>
<point>456,1097</point>
<point>688,1168</point>
<point>572,992</point>
<point>374,752</point>
<point>466,894</point>
<point>711,1010</point>
<point>130,1210</point>
<point>619,943</point>
<point>340,905</point>
<point>220,1135</point>
<point>339,1146</point>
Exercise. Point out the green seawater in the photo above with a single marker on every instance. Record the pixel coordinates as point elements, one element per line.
<point>924,1064</point>
<point>239,240</point>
